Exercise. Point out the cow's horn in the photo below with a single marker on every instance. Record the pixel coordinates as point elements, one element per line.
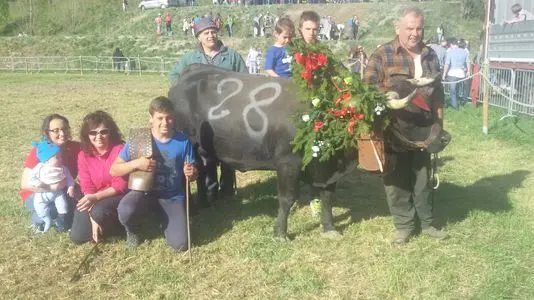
<point>423,81</point>
<point>396,103</point>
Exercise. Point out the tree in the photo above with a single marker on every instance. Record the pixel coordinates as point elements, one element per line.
<point>4,13</point>
<point>473,9</point>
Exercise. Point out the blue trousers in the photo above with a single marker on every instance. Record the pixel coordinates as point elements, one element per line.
<point>454,89</point>
<point>37,221</point>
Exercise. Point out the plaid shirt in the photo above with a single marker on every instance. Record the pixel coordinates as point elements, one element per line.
<point>391,62</point>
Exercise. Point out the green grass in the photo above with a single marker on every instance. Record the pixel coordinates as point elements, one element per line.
<point>96,27</point>
<point>485,202</point>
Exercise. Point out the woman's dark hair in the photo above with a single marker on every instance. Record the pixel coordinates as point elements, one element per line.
<point>93,120</point>
<point>46,124</point>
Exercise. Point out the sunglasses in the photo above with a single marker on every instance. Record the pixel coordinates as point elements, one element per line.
<point>104,131</point>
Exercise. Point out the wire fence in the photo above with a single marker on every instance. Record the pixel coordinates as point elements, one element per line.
<point>510,89</point>
<point>88,64</point>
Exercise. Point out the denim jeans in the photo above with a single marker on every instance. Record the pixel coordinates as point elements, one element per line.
<point>454,90</point>
<point>36,220</point>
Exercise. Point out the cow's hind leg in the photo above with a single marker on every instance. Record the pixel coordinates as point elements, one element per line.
<point>327,219</point>
<point>207,186</point>
<point>288,185</point>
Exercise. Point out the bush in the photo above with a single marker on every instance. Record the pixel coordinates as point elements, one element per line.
<point>473,9</point>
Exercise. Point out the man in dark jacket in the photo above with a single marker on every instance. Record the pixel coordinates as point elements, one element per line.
<point>211,51</point>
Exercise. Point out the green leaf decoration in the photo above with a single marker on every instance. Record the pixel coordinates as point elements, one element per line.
<point>346,109</point>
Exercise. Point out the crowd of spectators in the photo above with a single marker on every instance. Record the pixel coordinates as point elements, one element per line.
<point>454,59</point>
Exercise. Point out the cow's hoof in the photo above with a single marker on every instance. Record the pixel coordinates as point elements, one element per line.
<point>282,238</point>
<point>331,234</point>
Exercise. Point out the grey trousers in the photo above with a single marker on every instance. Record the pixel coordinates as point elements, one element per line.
<point>408,190</point>
<point>136,205</point>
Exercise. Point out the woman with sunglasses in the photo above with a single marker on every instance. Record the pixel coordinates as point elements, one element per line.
<point>95,215</point>
<point>55,128</point>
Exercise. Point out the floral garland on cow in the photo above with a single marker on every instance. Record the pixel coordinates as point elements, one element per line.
<point>342,107</point>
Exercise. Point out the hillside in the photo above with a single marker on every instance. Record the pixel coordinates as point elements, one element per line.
<point>96,27</point>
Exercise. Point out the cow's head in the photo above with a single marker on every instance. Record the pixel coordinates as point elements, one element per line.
<point>413,124</point>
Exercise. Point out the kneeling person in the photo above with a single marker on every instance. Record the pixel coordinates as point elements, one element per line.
<point>172,160</point>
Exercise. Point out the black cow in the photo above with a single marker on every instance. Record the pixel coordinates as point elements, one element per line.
<point>245,121</point>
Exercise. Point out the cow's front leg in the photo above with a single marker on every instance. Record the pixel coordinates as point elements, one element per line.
<point>327,219</point>
<point>287,177</point>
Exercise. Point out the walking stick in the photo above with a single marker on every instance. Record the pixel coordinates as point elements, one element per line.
<point>187,189</point>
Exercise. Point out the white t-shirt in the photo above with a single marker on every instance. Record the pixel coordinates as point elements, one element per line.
<point>418,66</point>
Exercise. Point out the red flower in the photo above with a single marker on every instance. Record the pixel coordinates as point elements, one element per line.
<point>350,128</point>
<point>338,113</point>
<point>318,125</point>
<point>344,96</point>
<point>299,58</point>
<point>322,59</point>
<point>306,75</point>
<point>311,62</point>
<point>353,120</point>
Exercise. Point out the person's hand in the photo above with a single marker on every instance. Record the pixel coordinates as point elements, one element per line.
<point>86,203</point>
<point>146,164</point>
<point>41,185</point>
<point>59,186</point>
<point>190,171</point>
<point>70,192</point>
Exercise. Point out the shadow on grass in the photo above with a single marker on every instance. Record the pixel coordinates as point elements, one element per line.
<point>454,203</point>
<point>253,200</point>
<point>362,194</point>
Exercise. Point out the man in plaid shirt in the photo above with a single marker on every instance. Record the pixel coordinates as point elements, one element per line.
<point>408,186</point>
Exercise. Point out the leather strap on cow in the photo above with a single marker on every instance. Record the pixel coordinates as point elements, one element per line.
<point>435,129</point>
<point>140,141</point>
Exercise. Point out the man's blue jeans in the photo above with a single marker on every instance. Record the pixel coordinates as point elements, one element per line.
<point>454,90</point>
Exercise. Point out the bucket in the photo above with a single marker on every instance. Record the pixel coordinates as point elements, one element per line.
<point>371,153</point>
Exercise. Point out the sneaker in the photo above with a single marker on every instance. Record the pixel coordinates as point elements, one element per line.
<point>435,233</point>
<point>315,206</point>
<point>132,240</point>
<point>36,228</point>
<point>60,223</point>
<point>402,236</point>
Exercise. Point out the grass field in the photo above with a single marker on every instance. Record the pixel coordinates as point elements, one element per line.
<point>485,202</point>
<point>96,27</point>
